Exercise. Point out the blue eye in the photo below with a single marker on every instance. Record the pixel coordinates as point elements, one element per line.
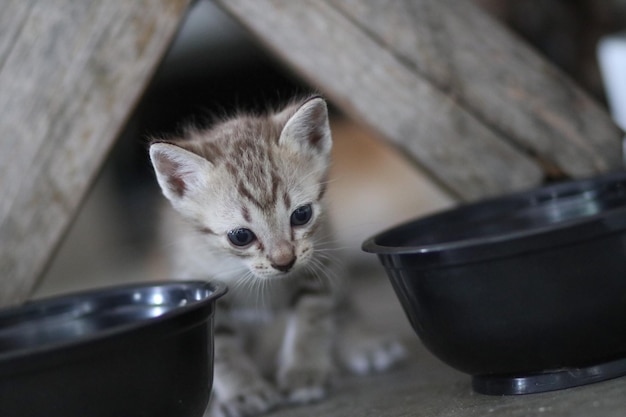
<point>241,237</point>
<point>301,215</point>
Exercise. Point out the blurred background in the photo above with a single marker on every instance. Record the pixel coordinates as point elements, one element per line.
<point>214,67</point>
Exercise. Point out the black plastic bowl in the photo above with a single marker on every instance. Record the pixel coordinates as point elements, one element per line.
<point>140,350</point>
<point>526,293</point>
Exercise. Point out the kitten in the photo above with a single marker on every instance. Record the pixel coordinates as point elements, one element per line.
<point>250,194</point>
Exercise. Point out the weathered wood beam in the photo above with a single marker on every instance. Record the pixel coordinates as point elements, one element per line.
<point>70,74</point>
<point>474,106</point>
<point>494,75</point>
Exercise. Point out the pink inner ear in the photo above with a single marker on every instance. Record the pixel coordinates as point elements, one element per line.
<point>315,137</point>
<point>317,117</point>
<point>173,172</point>
<point>177,184</point>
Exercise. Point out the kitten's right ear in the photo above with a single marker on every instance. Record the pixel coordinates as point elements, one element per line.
<point>178,171</point>
<point>308,128</point>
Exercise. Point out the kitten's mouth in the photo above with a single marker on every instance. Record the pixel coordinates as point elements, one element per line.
<point>274,273</point>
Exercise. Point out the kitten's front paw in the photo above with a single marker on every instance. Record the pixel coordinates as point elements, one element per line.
<point>304,385</point>
<point>248,403</point>
<point>365,353</point>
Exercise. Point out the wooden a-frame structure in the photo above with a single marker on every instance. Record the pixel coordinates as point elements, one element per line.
<point>462,97</point>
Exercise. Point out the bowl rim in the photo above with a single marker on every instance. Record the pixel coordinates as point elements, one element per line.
<point>531,239</point>
<point>217,289</point>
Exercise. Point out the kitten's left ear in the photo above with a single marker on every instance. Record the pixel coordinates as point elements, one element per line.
<point>308,128</point>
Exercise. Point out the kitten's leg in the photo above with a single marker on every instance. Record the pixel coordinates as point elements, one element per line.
<point>363,349</point>
<point>305,362</point>
<point>238,386</point>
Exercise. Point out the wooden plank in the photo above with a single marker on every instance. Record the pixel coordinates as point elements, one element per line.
<point>496,77</point>
<point>367,81</point>
<point>11,21</point>
<point>69,77</point>
<point>364,55</point>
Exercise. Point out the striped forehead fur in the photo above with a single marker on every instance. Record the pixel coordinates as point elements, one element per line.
<point>245,146</point>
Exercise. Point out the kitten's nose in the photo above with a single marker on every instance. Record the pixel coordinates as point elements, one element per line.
<point>282,256</point>
<point>286,267</point>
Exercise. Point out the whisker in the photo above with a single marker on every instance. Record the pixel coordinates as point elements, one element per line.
<point>322,273</point>
<point>229,274</point>
<point>313,269</point>
<point>239,283</point>
<point>260,285</point>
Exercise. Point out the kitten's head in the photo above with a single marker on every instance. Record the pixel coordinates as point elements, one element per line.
<point>253,185</point>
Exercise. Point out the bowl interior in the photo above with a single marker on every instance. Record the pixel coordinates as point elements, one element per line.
<point>65,319</point>
<point>541,210</point>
